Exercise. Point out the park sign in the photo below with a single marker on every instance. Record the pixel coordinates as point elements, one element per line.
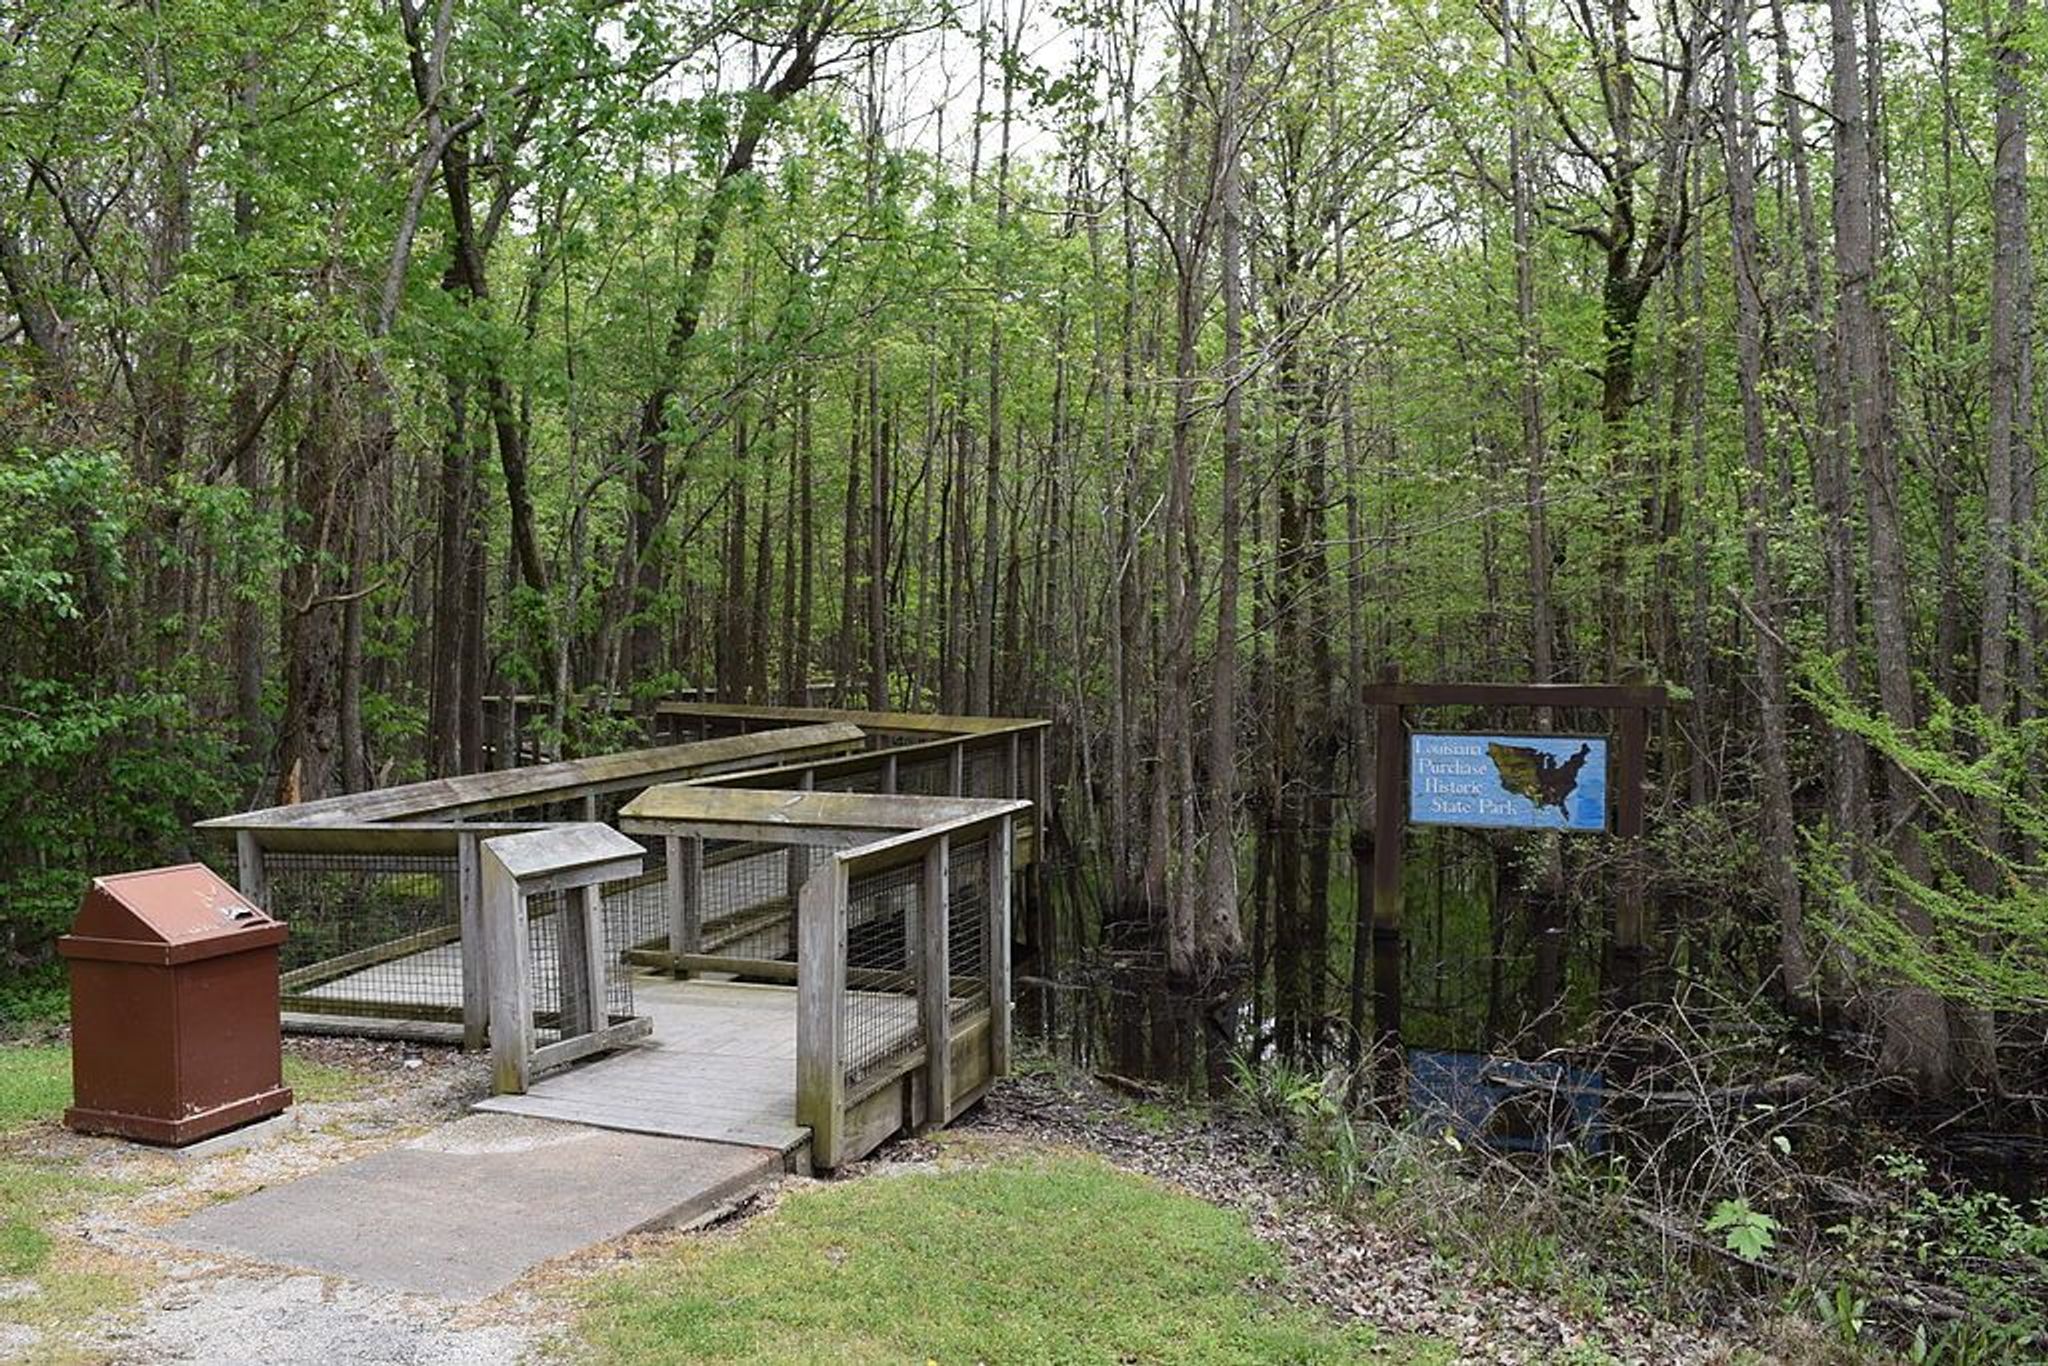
<point>1515,782</point>
<point>1511,782</point>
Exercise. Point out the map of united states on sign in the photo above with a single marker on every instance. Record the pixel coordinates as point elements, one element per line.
<point>1533,782</point>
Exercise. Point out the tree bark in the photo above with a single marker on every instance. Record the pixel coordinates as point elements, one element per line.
<point>1780,837</point>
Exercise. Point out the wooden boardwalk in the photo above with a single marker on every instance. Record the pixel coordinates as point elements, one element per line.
<point>721,1065</point>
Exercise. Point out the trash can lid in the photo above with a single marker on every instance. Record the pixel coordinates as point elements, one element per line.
<point>166,915</point>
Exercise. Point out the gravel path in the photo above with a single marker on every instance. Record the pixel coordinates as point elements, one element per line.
<point>196,1307</point>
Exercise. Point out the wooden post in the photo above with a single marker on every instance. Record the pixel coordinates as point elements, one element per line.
<point>1041,793</point>
<point>796,869</point>
<point>889,773</point>
<point>1011,771</point>
<point>476,981</point>
<point>589,907</point>
<point>1390,762</point>
<point>821,986</point>
<point>957,769</point>
<point>935,983</point>
<point>511,986</point>
<point>685,895</point>
<point>1626,959</point>
<point>249,875</point>
<point>578,1014</point>
<point>1002,843</point>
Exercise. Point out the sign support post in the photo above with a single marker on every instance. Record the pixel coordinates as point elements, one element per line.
<point>1629,702</point>
<point>1387,890</point>
<point>1624,972</point>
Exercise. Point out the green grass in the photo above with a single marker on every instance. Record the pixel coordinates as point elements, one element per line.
<point>35,1084</point>
<point>1027,1259</point>
<point>66,1282</point>
<point>32,1194</point>
<point>318,1081</point>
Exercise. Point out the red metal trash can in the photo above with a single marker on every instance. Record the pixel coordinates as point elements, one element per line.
<point>174,1019</point>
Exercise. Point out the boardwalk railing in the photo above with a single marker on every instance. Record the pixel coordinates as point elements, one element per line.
<point>897,936</point>
<point>905,752</point>
<point>382,889</point>
<point>904,1012</point>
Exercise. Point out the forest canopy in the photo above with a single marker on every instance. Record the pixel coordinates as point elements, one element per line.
<point>1169,369</point>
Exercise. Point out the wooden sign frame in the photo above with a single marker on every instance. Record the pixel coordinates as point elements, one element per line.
<point>1630,703</point>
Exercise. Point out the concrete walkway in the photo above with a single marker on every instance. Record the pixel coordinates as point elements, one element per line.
<point>466,1210</point>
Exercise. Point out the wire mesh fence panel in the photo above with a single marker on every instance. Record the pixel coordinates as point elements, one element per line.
<point>878,1010</point>
<point>982,772</point>
<point>864,779</point>
<point>925,776</point>
<point>748,910</point>
<point>371,934</point>
<point>544,963</point>
<point>635,917</point>
<point>636,908</point>
<point>967,927</point>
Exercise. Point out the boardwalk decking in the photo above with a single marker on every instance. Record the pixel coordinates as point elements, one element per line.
<point>721,1065</point>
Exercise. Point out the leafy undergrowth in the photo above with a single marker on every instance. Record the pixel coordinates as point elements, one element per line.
<point>33,1003</point>
<point>1876,1262</point>
<point>1033,1257</point>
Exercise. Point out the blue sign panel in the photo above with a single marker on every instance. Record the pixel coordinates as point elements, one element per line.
<point>1521,782</point>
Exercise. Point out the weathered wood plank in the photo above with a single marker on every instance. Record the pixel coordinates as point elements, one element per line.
<point>785,815</point>
<point>563,849</point>
<point>767,969</point>
<point>584,1045</point>
<point>373,838</point>
<point>341,965</point>
<point>820,1075</point>
<point>249,869</point>
<point>370,1027</point>
<point>368,1007</point>
<point>721,1065</point>
<point>998,948</point>
<point>685,893</point>
<point>588,913</point>
<point>511,983</point>
<point>476,987</point>
<point>935,973</point>
<point>479,793</point>
<point>870,1123</point>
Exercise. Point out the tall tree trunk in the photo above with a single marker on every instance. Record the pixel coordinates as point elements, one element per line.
<point>2011,403</point>
<point>1917,1047</point>
<point>315,587</point>
<point>1779,833</point>
<point>653,491</point>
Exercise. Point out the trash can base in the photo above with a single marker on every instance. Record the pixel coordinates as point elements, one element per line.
<point>176,1133</point>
